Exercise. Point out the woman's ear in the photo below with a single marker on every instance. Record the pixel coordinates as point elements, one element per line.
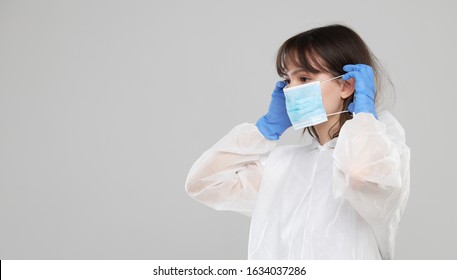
<point>348,88</point>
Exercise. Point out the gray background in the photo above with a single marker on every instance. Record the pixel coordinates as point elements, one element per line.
<point>105,105</point>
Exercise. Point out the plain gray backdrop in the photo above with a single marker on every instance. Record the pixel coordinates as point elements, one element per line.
<point>105,105</point>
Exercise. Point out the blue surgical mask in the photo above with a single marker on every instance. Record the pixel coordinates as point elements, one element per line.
<point>304,104</point>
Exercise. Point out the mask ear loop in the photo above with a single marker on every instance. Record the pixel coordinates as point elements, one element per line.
<point>346,111</point>
<point>334,78</point>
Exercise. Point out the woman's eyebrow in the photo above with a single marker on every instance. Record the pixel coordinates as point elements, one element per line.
<point>291,72</point>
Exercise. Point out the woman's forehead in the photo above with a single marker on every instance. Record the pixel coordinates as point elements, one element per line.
<point>292,65</point>
<point>308,62</point>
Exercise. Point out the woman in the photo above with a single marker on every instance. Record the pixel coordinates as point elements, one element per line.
<point>342,196</point>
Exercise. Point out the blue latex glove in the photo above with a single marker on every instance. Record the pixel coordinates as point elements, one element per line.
<point>364,88</point>
<point>276,121</point>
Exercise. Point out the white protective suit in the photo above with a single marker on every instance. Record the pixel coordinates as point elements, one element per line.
<point>342,200</point>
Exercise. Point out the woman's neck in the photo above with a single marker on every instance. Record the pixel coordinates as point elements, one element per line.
<point>323,129</point>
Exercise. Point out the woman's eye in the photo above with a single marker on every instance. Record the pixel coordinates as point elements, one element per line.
<point>287,81</point>
<point>304,79</point>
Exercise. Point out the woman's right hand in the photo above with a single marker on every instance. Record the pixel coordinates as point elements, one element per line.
<point>273,124</point>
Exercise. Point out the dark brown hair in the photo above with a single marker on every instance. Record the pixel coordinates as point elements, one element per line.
<point>327,49</point>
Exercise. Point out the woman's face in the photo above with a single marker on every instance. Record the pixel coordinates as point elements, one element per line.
<point>333,91</point>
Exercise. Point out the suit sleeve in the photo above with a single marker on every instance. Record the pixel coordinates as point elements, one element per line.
<point>228,175</point>
<point>372,172</point>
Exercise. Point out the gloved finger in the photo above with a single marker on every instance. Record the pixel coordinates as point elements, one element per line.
<point>351,74</point>
<point>357,67</point>
<point>352,67</point>
<point>278,91</point>
<point>346,76</point>
<point>366,70</point>
<point>351,107</point>
<point>280,85</point>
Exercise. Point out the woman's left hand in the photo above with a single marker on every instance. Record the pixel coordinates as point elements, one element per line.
<point>364,95</point>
